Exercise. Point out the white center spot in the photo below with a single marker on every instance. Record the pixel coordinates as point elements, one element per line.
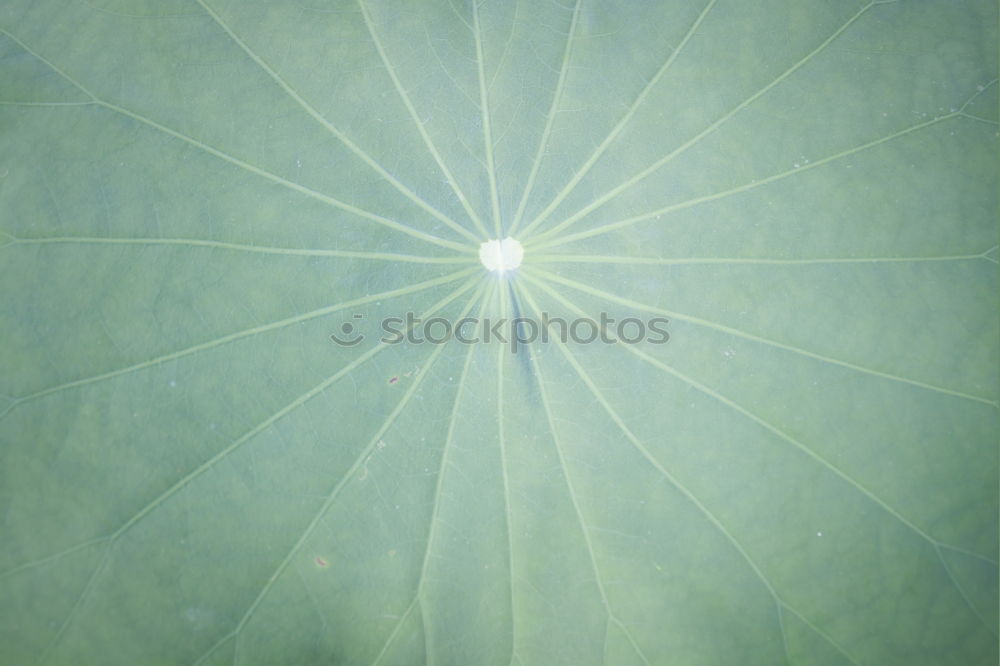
<point>501,255</point>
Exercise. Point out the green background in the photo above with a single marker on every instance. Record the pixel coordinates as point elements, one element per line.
<point>195,194</point>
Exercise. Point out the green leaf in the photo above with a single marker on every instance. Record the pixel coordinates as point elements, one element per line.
<point>195,195</point>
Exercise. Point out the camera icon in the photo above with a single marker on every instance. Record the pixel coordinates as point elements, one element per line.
<point>348,336</point>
